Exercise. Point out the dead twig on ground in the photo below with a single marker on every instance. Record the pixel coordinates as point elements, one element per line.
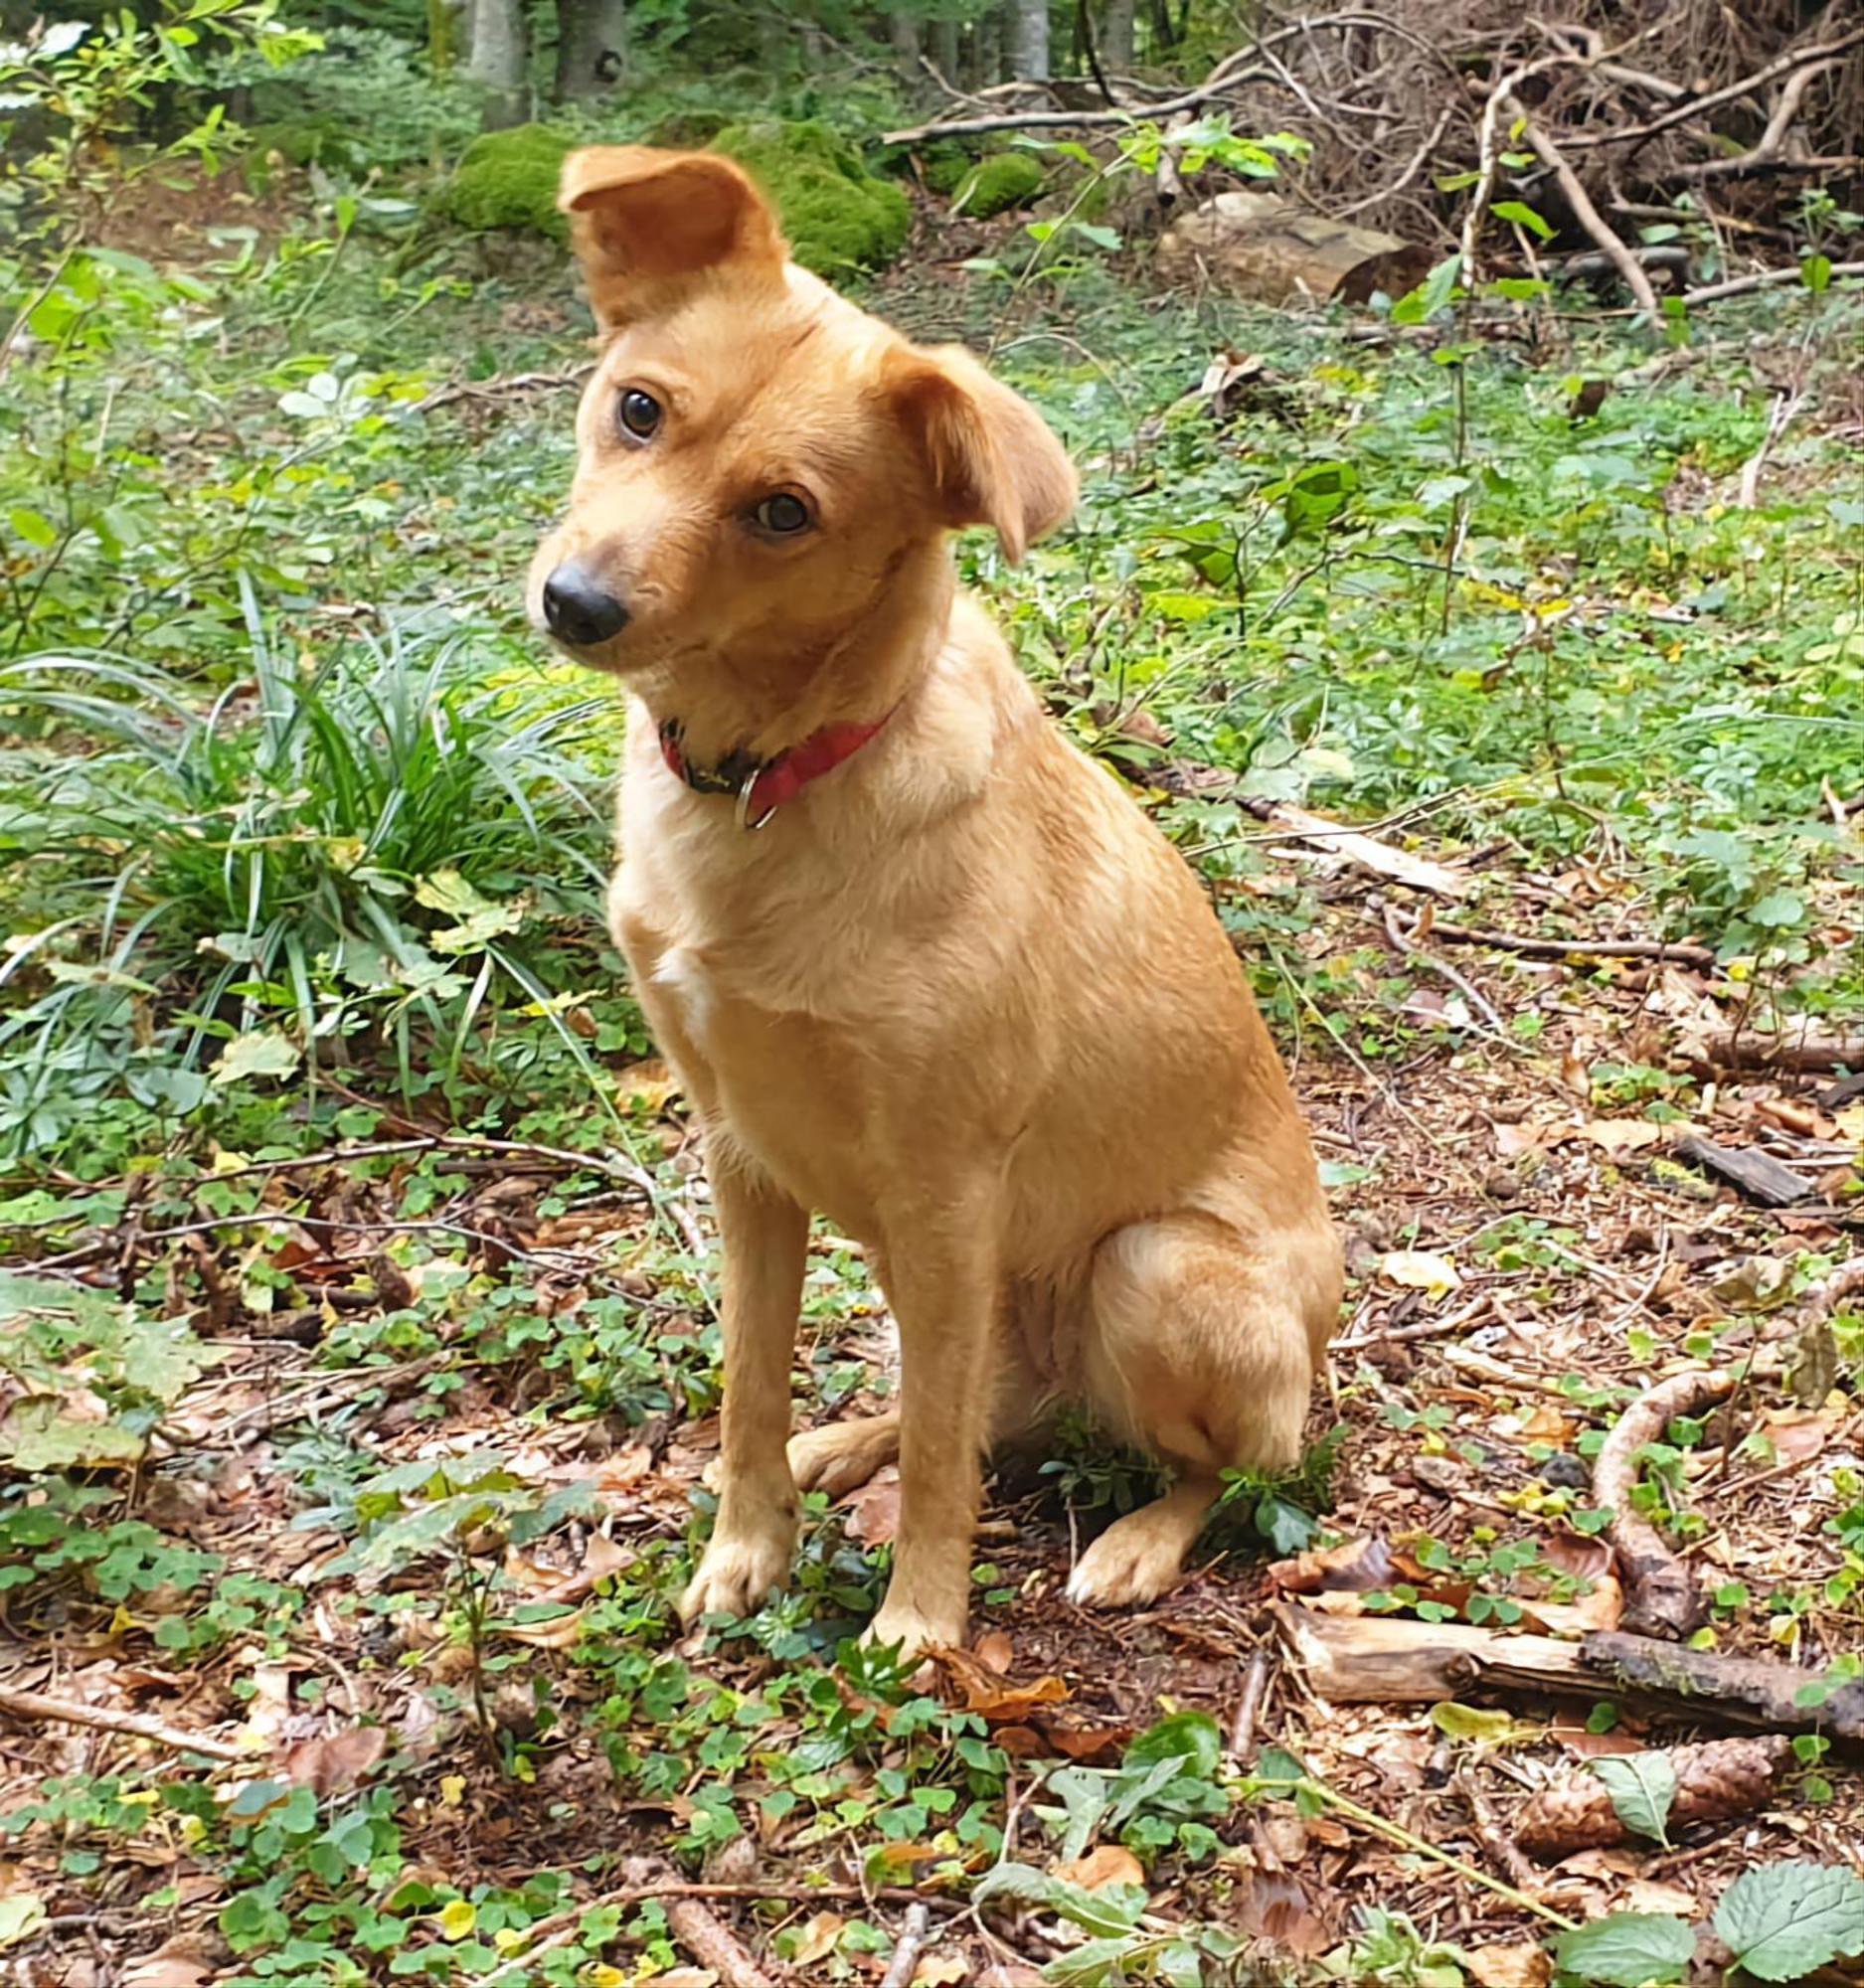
<point>911,1945</point>
<point>1248,1708</point>
<point>38,1707</point>
<point>511,382</point>
<point>1741,286</point>
<point>1588,215</point>
<point>1571,948</point>
<point>702,1933</point>
<point>1479,1003</point>
<point>1661,1595</point>
<point>1358,848</point>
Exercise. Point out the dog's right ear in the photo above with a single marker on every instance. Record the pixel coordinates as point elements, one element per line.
<point>645,224</point>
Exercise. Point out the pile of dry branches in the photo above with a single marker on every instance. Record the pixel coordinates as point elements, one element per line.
<point>1627,113</point>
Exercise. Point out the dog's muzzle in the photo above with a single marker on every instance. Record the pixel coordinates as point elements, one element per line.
<point>579,608</point>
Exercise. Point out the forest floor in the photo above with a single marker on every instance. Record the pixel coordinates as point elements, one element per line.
<point>426,1355</point>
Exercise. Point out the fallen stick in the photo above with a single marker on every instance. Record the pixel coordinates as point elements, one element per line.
<point>1588,215</point>
<point>1364,850</point>
<point>1803,1051</point>
<point>1741,286</point>
<point>560,1929</point>
<point>1571,948</point>
<point>701,1931</point>
<point>1747,1690</point>
<point>1716,1781</point>
<point>1392,1660</point>
<point>912,1944</point>
<point>36,1704</point>
<point>1249,1710</point>
<point>1407,944</point>
<point>1757,1175</point>
<point>1661,1595</point>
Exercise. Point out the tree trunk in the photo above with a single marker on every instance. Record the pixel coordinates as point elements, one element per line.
<point>987,64</point>
<point>592,47</point>
<point>500,61</point>
<point>903,32</point>
<point>1116,37</point>
<point>1029,40</point>
<point>446,32</point>
<point>946,40</point>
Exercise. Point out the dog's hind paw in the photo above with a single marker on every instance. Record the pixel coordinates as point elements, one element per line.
<point>736,1576</point>
<point>839,1457</point>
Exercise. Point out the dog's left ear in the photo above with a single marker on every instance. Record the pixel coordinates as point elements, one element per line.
<point>992,459</point>
<point>644,223</point>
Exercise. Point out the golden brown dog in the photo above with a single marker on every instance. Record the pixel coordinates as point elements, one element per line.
<point>956,992</point>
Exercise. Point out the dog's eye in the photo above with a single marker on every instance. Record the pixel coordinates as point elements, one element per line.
<point>639,414</point>
<point>783,515</point>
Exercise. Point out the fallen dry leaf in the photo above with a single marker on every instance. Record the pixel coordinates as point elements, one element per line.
<point>1652,1895</point>
<point>940,1970</point>
<point>989,1692</point>
<point>185,1961</point>
<point>1106,1865</point>
<point>1087,1742</point>
<point>648,1085</point>
<point>1420,1270</point>
<point>1598,1608</point>
<point>1359,1566</point>
<point>817,1939</point>
<point>1272,1905</point>
<point>1622,1135</point>
<point>556,1632</point>
<point>873,1508</point>
<point>994,1647</point>
<point>334,1762</point>
<point>1511,1967</point>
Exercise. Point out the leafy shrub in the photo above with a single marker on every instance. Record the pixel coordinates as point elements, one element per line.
<point>999,183</point>
<point>319,859</point>
<point>837,214</point>
<point>508,179</point>
<point>371,84</point>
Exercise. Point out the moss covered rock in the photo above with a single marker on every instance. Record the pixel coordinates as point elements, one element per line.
<point>998,183</point>
<point>837,214</point>
<point>508,179</point>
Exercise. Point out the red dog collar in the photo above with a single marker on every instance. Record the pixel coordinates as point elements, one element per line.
<point>764,786</point>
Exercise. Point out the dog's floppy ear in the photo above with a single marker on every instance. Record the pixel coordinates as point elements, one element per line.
<point>991,457</point>
<point>644,222</point>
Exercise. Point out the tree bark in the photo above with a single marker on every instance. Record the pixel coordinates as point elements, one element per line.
<point>1029,40</point>
<point>903,30</point>
<point>946,37</point>
<point>500,61</point>
<point>1116,41</point>
<point>592,47</point>
<point>987,67</point>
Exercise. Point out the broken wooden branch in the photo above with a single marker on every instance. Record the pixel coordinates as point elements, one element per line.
<point>1366,851</point>
<point>1661,1593</point>
<point>701,1931</point>
<point>1407,944</point>
<point>912,1944</point>
<point>1716,1781</point>
<point>1575,948</point>
<point>1588,215</point>
<point>1392,1660</point>
<point>1804,1051</point>
<point>1743,1691</point>
<point>1741,286</point>
<point>1754,1173</point>
<point>39,1707</point>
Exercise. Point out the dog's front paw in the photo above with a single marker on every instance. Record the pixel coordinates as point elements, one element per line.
<point>913,1629</point>
<point>1133,1560</point>
<point>738,1573</point>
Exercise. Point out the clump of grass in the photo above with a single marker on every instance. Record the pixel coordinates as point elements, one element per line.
<point>369,844</point>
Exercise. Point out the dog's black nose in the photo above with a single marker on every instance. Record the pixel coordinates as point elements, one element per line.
<point>579,609</point>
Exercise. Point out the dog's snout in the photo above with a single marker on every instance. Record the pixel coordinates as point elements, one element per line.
<point>579,609</point>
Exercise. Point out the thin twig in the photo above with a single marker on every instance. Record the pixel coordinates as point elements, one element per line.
<point>1568,948</point>
<point>1407,944</point>
<point>1588,215</point>
<point>36,1704</point>
<point>911,1944</point>
<point>1249,1709</point>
